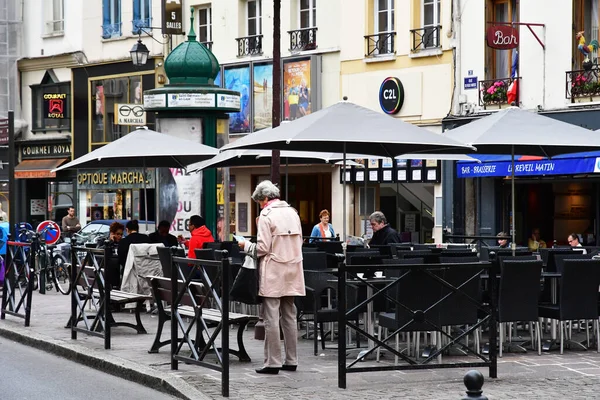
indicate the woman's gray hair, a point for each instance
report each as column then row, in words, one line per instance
column 265, row 190
column 378, row 217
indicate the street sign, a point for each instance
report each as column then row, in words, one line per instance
column 470, row 82
column 52, row 234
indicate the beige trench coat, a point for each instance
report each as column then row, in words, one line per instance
column 279, row 246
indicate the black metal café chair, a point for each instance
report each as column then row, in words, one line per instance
column 330, row 246
column 314, row 260
column 578, row 298
column 457, row 253
column 320, row 284
column 518, row 296
column 458, row 259
column 415, row 290
column 459, row 310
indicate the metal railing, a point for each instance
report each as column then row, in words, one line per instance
column 18, row 280
column 426, row 38
column 208, row 45
column 303, row 39
column 422, row 295
column 380, row 44
column 111, row 30
column 138, row 24
column 57, row 26
column 582, row 83
column 494, row 92
column 249, row 45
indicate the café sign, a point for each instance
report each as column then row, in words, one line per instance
column 38, row 151
column 172, row 17
column 502, row 37
column 115, row 179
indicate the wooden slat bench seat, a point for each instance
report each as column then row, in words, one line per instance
column 190, row 307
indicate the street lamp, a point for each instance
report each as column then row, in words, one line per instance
column 139, row 53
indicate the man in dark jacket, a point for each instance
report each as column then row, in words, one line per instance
column 133, row 236
column 163, row 236
column 382, row 232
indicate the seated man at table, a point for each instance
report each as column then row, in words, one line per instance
column 573, row 240
column 163, row 236
column 382, row 233
column 133, row 236
column 200, row 235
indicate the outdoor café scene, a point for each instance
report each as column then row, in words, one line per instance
column 279, row 301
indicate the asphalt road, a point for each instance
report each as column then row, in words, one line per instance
column 28, row 373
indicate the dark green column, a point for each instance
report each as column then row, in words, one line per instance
column 209, row 176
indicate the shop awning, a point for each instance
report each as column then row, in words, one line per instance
column 38, row 168
column 500, row 165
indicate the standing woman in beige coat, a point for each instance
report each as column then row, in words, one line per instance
column 281, row 278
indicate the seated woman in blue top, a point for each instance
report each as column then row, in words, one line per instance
column 322, row 229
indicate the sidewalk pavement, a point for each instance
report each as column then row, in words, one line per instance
column 574, row 375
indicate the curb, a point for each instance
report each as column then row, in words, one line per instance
column 106, row 363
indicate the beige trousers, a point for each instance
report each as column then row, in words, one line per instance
column 273, row 309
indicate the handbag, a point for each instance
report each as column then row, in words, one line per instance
column 245, row 285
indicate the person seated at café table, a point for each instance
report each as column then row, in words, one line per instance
column 573, row 240
column 322, row 229
column 163, row 236
column 535, row 243
column 503, row 243
column 382, row 233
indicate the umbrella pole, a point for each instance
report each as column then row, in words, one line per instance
column 344, row 198
column 145, row 193
column 365, row 202
column 287, row 182
column 513, row 245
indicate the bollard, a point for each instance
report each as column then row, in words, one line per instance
column 474, row 382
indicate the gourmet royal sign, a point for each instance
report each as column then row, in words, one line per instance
column 502, row 37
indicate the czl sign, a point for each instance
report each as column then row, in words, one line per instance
column 502, row 37
column 391, row 95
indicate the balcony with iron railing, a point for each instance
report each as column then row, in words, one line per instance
column 249, row 46
column 583, row 86
column 380, row 44
column 303, row 39
column 54, row 27
column 111, row 30
column 495, row 93
column 426, row 38
column 138, row 25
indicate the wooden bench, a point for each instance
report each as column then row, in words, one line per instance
column 88, row 288
column 193, row 305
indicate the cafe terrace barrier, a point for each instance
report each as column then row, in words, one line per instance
column 18, row 280
column 215, row 278
column 425, row 297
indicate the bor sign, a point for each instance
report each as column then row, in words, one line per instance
column 172, row 17
column 502, row 37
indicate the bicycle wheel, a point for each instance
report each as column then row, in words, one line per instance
column 61, row 274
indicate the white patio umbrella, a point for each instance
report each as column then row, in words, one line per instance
column 346, row 127
column 144, row 148
column 515, row 131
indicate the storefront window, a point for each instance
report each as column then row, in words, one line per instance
column 60, row 198
column 50, row 106
column 105, row 93
column 109, row 204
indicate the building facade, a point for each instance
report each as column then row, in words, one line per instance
column 76, row 78
column 525, row 54
column 331, row 50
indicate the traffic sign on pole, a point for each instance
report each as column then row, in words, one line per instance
column 52, row 233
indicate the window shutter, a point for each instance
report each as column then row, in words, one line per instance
column 105, row 18
column 137, row 16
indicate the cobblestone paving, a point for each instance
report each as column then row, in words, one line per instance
column 574, row 375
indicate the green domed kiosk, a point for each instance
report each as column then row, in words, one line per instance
column 190, row 106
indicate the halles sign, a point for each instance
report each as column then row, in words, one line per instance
column 502, row 37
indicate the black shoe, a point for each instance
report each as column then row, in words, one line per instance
column 289, row 367
column 268, row 370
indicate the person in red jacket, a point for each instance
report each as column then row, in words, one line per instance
column 200, row 235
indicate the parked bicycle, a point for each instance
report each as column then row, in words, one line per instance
column 50, row 265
